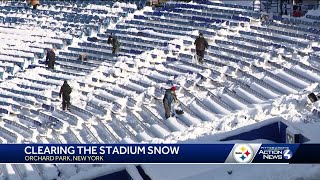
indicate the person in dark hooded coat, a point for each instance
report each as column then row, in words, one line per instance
column 201, row 45
column 51, row 58
column 110, row 39
column 65, row 91
column 114, row 42
column 168, row 98
column 115, row 45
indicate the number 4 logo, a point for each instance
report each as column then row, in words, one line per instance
column 287, row 154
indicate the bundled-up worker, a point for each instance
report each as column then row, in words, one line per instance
column 51, row 58
column 65, row 91
column 201, row 45
column 115, row 44
column 169, row 97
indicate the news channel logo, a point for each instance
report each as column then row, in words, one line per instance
column 287, row 154
column 243, row 153
column 275, row 153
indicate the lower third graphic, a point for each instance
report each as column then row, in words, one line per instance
column 243, row 153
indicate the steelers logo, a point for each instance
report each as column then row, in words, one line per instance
column 242, row 153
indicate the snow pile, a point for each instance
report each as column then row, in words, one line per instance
column 313, row 12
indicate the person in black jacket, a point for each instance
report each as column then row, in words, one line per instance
column 201, row 45
column 115, row 45
column 110, row 39
column 51, row 58
column 65, row 91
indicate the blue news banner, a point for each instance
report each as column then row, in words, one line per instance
column 159, row 153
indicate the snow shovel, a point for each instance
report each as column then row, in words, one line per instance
column 178, row 110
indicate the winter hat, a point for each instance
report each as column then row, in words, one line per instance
column 173, row 88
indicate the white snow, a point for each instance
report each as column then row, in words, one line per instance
column 278, row 85
column 313, row 12
column 244, row 94
column 244, row 3
column 263, row 91
column 208, row 125
column 173, row 124
column 159, row 131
